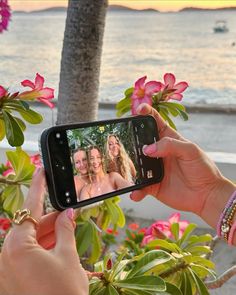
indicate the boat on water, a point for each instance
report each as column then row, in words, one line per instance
column 221, row 27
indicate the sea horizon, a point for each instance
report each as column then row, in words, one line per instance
column 135, row 44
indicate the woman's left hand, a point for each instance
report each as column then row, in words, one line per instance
column 43, row 259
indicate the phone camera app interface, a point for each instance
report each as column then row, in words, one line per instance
column 104, row 159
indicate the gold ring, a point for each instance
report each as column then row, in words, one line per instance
column 22, row 215
column 163, row 129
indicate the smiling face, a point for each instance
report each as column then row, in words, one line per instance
column 95, row 159
column 114, row 146
column 81, row 163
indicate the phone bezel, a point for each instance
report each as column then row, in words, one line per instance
column 49, row 169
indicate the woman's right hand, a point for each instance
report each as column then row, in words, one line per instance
column 191, row 180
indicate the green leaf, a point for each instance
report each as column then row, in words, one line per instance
column 87, row 237
column 84, row 234
column 199, row 260
column 174, row 105
column 22, row 166
column 175, row 230
column 172, row 290
column 14, row 133
column 166, row 117
column 139, row 292
column 170, row 247
column 202, row 271
column 201, row 287
column 148, row 261
column 2, row 129
column 112, row 209
column 186, row 287
column 13, row 198
column 189, row 229
column 110, row 290
column 95, row 247
column 128, row 92
column 198, row 239
column 20, row 123
column 198, row 250
column 123, row 103
column 31, row 116
column 147, row 283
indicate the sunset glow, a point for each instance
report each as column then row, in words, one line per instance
column 162, row 5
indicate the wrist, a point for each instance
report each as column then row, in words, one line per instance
column 216, row 201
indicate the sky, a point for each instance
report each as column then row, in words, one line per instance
column 162, row 5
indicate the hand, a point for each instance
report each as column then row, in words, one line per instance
column 190, row 177
column 26, row 267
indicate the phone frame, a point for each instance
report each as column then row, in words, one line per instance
column 46, row 155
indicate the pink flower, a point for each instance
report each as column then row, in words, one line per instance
column 5, row 15
column 35, row 160
column 38, row 92
column 169, row 80
column 143, row 93
column 2, row 92
column 162, row 229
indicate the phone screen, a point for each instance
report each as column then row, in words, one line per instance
column 92, row 161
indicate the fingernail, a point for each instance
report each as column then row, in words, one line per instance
column 139, row 108
column 149, row 149
column 36, row 171
column 70, row 213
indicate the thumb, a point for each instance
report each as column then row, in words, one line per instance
column 168, row 146
column 64, row 231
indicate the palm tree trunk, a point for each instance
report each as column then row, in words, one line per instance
column 81, row 60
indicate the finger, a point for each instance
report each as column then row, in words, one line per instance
column 48, row 241
column 46, row 226
column 35, row 199
column 64, row 230
column 33, row 202
column 146, row 109
column 168, row 146
column 139, row 195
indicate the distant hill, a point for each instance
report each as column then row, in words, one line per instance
column 111, row 8
column 207, row 9
column 120, row 8
column 51, row 9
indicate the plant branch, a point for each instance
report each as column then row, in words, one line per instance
column 222, row 279
column 173, row 270
column 90, row 275
column 8, row 181
column 212, row 245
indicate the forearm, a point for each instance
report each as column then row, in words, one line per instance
column 216, row 202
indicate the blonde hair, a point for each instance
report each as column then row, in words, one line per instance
column 101, row 154
column 122, row 162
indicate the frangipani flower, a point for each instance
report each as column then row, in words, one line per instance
column 5, row 15
column 169, row 84
column 143, row 93
column 43, row 94
column 162, row 229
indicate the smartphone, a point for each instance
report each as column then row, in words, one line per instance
column 89, row 162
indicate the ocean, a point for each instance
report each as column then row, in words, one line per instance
column 135, row 44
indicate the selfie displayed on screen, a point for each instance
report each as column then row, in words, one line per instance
column 104, row 159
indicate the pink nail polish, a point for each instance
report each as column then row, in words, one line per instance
column 150, row 149
column 70, row 213
column 36, row 171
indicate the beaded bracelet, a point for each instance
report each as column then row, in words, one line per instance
column 226, row 217
column 231, row 234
